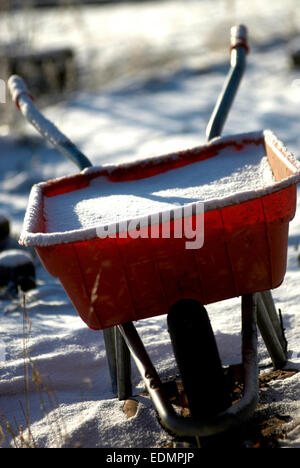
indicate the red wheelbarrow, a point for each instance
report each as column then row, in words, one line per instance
column 116, row 273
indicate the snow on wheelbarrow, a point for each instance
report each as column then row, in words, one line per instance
column 127, row 241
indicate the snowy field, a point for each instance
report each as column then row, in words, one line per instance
column 136, row 117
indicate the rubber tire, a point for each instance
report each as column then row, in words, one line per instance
column 198, row 359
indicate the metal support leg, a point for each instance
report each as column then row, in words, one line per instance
column 274, row 317
column 110, row 347
column 118, row 358
column 270, row 333
column 123, row 367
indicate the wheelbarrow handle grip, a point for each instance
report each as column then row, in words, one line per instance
column 17, row 88
column 239, row 37
column 24, row 102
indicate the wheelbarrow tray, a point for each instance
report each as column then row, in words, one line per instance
column 118, row 279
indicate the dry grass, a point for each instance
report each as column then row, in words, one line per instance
column 21, row 435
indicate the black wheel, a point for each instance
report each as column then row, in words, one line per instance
column 198, row 359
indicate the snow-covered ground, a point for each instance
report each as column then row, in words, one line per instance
column 134, row 118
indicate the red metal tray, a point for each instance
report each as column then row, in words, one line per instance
column 115, row 280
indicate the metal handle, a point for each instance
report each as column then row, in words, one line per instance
column 239, row 49
column 24, row 102
column 17, row 88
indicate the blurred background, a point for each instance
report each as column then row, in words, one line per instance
column 60, row 46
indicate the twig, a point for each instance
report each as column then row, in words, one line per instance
column 2, row 436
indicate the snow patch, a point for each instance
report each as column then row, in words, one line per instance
column 106, row 203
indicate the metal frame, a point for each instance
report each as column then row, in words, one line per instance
column 228, row 419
